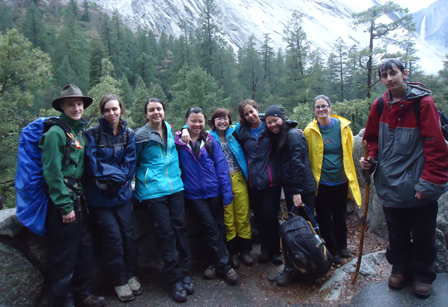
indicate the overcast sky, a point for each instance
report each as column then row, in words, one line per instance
column 413, row 5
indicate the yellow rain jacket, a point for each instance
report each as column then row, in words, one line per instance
column 316, row 151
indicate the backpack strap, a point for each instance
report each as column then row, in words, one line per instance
column 380, row 107
column 52, row 121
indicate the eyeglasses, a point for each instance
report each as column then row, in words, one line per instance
column 321, row 107
column 222, row 119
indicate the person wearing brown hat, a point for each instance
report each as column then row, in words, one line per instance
column 70, row 270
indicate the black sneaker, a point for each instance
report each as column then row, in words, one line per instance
column 178, row 293
column 345, row 253
column 92, row 301
column 285, row 279
column 233, row 261
column 188, row 285
column 264, row 257
column 231, row 277
column 277, row 259
column 336, row 260
column 247, row 259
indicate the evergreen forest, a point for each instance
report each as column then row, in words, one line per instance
column 45, row 45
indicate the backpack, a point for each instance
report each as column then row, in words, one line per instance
column 32, row 191
column 303, row 249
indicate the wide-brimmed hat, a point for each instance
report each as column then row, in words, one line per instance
column 71, row 91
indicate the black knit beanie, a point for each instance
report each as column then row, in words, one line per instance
column 275, row 110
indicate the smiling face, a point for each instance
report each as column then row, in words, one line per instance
column 222, row 123
column 73, row 107
column 322, row 109
column 112, row 112
column 195, row 123
column 155, row 113
column 251, row 115
column 393, row 79
column 274, row 123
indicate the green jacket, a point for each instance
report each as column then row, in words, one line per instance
column 53, row 144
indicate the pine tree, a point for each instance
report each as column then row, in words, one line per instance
column 141, row 95
column 24, row 72
column 370, row 20
column 107, row 85
column 96, row 56
column 34, row 28
column 86, row 15
column 297, row 54
column 195, row 87
column 207, row 33
column 72, row 45
column 250, row 68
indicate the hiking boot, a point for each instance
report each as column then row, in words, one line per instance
column 92, row 301
column 277, row 259
column 285, row 279
column 336, row 260
column 231, row 277
column 178, row 293
column 188, row 285
column 233, row 261
column 397, row 281
column 135, row 285
column 421, row 289
column 345, row 253
column 124, row 293
column 247, row 259
column 210, row 272
column 264, row 257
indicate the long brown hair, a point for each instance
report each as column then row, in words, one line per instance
column 241, row 107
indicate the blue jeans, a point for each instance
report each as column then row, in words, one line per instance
column 412, row 249
column 117, row 242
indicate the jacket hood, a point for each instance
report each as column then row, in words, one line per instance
column 416, row 90
column 145, row 134
column 291, row 123
column 105, row 126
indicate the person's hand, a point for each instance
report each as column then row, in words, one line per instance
column 300, row 130
column 185, row 136
column 366, row 164
column 225, row 206
column 420, row 195
column 69, row 218
column 297, row 199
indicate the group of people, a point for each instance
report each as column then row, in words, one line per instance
column 221, row 175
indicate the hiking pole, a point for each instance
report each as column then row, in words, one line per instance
column 364, row 213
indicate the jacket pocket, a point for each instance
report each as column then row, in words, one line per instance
column 405, row 140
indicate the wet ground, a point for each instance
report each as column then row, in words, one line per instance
column 256, row 289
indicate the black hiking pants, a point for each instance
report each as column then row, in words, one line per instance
column 117, row 242
column 412, row 248
column 167, row 215
column 210, row 212
column 70, row 271
column 266, row 204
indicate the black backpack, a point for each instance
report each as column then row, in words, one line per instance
column 303, row 249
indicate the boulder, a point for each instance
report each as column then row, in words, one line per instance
column 441, row 263
column 336, row 286
column 21, row 282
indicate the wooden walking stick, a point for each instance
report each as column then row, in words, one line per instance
column 364, row 213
